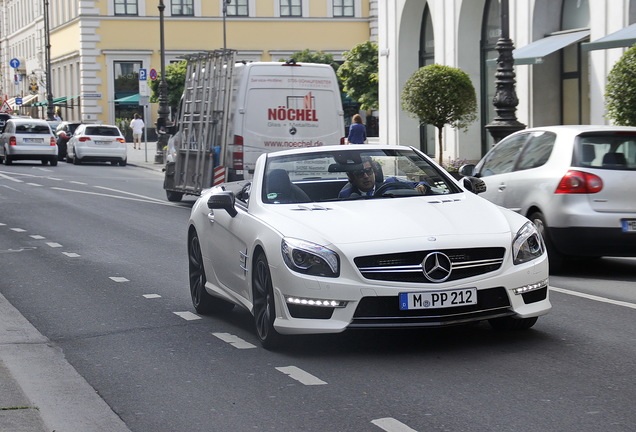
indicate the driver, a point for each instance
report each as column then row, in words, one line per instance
column 362, row 182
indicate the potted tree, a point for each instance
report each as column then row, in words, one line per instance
column 620, row 98
column 440, row 95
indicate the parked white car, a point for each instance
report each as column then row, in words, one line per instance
column 306, row 252
column 576, row 183
column 27, row 139
column 97, row 143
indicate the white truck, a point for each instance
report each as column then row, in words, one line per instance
column 232, row 112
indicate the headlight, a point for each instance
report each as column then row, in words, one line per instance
column 310, row 258
column 527, row 245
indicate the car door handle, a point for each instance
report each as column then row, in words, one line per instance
column 211, row 217
column 502, row 187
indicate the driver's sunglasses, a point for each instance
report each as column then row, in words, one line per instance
column 360, row 173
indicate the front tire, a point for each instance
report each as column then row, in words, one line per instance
column 203, row 302
column 264, row 307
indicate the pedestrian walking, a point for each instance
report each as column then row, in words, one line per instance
column 137, row 125
column 357, row 131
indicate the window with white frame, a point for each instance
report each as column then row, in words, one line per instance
column 343, row 8
column 126, row 7
column 238, row 8
column 182, row 8
column 291, row 8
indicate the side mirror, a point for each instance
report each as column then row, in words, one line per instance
column 467, row 170
column 223, row 201
column 474, row 184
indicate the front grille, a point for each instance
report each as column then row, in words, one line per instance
column 385, row 311
column 407, row 266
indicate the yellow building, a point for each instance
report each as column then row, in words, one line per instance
column 97, row 47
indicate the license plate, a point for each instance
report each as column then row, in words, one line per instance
column 102, row 142
column 438, row 299
column 33, row 140
column 629, row 225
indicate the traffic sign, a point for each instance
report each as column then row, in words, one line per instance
column 14, row 63
column 153, row 74
column 143, row 88
column 143, row 75
column 5, row 107
column 18, row 101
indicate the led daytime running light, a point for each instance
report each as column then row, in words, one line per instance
column 315, row 302
column 531, row 287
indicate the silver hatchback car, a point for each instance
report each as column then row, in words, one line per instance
column 576, row 183
column 97, row 143
column 27, row 139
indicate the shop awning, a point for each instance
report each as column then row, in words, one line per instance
column 533, row 53
column 625, row 37
column 132, row 99
column 56, row 101
column 29, row 99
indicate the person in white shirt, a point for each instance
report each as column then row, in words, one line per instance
column 137, row 125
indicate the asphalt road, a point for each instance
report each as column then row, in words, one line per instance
column 95, row 258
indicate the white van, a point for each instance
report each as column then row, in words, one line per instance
column 279, row 106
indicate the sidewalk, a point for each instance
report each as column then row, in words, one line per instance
column 144, row 158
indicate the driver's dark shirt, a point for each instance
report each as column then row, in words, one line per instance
column 350, row 189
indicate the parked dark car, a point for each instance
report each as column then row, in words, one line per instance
column 63, row 132
column 3, row 120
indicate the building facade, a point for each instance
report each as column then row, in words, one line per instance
column 97, row 47
column 564, row 52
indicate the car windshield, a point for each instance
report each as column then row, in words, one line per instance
column 32, row 128
column 616, row 151
column 102, row 131
column 341, row 175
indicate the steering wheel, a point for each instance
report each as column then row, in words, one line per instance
column 391, row 185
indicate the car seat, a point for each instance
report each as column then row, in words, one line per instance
column 614, row 160
column 280, row 189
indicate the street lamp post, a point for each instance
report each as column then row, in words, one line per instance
column 47, row 59
column 163, row 111
column 505, row 99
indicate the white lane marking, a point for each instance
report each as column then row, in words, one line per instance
column 300, row 375
column 149, row 200
column 54, row 245
column 11, row 178
column 18, row 230
column 78, row 182
column 37, row 237
column 392, row 425
column 118, row 279
column 1, row 224
column 188, row 316
column 235, row 341
column 152, row 296
column 54, row 178
column 34, row 184
column 129, row 193
column 9, row 187
column 593, row 297
column 71, row 254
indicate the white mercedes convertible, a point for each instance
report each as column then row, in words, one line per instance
column 331, row 238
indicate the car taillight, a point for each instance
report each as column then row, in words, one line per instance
column 579, row 182
column 12, row 141
column 121, row 140
column 342, row 141
column 53, row 141
column 237, row 156
column 83, row 139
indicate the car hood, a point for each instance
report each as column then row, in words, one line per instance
column 450, row 220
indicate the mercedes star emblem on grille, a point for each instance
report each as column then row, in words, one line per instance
column 437, row 267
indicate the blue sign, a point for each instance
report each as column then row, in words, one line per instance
column 143, row 75
column 14, row 63
column 153, row 74
column 18, row 101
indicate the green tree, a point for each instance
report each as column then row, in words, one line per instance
column 440, row 95
column 359, row 74
column 620, row 92
column 308, row 56
column 175, row 78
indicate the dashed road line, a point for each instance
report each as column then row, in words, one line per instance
column 18, row 230
column 71, row 254
column 233, row 340
column 54, row 245
column 593, row 297
column 34, row 184
column 37, row 237
column 118, row 279
column 188, row 316
column 300, row 375
column 392, row 425
column 152, row 296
